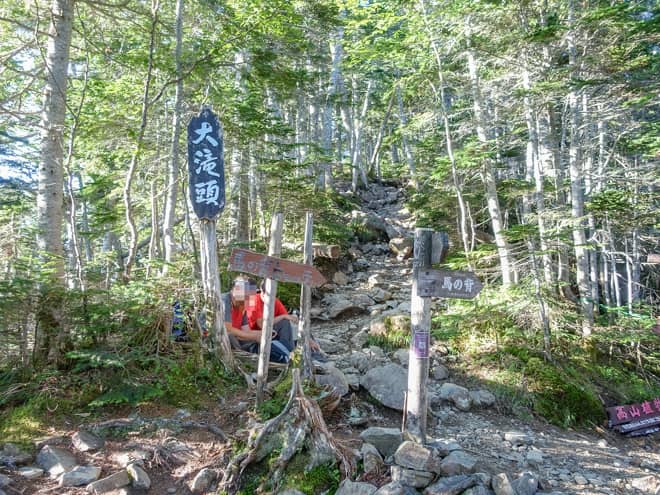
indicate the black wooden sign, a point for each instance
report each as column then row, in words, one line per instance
column 206, row 167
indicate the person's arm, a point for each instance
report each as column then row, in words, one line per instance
column 243, row 333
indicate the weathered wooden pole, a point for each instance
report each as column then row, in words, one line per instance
column 420, row 340
column 207, row 196
column 306, row 302
column 211, row 285
column 270, row 293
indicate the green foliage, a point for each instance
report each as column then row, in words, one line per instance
column 500, row 342
column 320, row 479
column 127, row 393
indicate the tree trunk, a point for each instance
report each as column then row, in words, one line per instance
column 405, row 144
column 456, row 180
column 212, row 291
column 357, row 164
column 169, row 242
column 128, row 205
column 50, row 179
column 577, row 191
column 487, row 172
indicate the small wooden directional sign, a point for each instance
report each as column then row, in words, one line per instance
column 243, row 260
column 206, row 165
column 447, row 283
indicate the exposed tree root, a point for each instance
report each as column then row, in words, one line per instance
column 299, row 427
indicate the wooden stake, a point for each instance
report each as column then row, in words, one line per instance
column 270, row 293
column 418, row 364
column 306, row 302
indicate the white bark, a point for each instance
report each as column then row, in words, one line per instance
column 488, row 174
column 169, row 242
column 577, row 191
column 50, row 198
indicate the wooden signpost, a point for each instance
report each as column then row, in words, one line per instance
column 274, row 269
column 429, row 248
column 207, row 195
column 448, row 283
column 635, row 419
column 260, row 265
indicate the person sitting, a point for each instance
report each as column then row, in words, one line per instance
column 236, row 321
column 283, row 322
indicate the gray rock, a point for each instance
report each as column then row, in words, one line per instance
column 348, row 487
column 353, row 381
column 56, row 460
column 647, row 484
column 380, row 295
column 518, row 438
column 527, row 484
column 412, row 477
column 502, row 485
column 535, row 457
column 415, row 456
column 482, row 398
column 359, row 340
column 396, row 488
column 12, row 454
column 402, row 357
column 80, row 476
column 360, row 361
column 387, row 384
column 458, row 462
column 335, row 378
column 443, row 447
column 288, row 491
column 459, row 396
column 440, row 372
column 340, row 278
column 109, row 483
column 139, row 478
column 386, row 440
column 204, row 479
column 580, row 480
column 5, row 480
column 372, row 461
column 454, row 485
column 85, row 441
column 478, row 490
column 30, row 472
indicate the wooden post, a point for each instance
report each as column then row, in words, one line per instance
column 306, row 302
column 211, row 284
column 274, row 249
column 414, row 421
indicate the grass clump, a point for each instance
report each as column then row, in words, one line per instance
column 320, row 479
column 500, row 343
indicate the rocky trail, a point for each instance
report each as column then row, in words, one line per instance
column 473, row 449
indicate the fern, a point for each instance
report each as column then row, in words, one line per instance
column 127, row 393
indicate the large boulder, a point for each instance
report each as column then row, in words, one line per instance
column 56, row 460
column 387, row 384
column 386, row 440
column 459, row 396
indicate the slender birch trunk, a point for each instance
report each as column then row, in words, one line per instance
column 132, row 168
column 577, row 189
column 50, row 179
column 442, row 98
column 405, row 144
column 488, row 173
column 169, row 242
